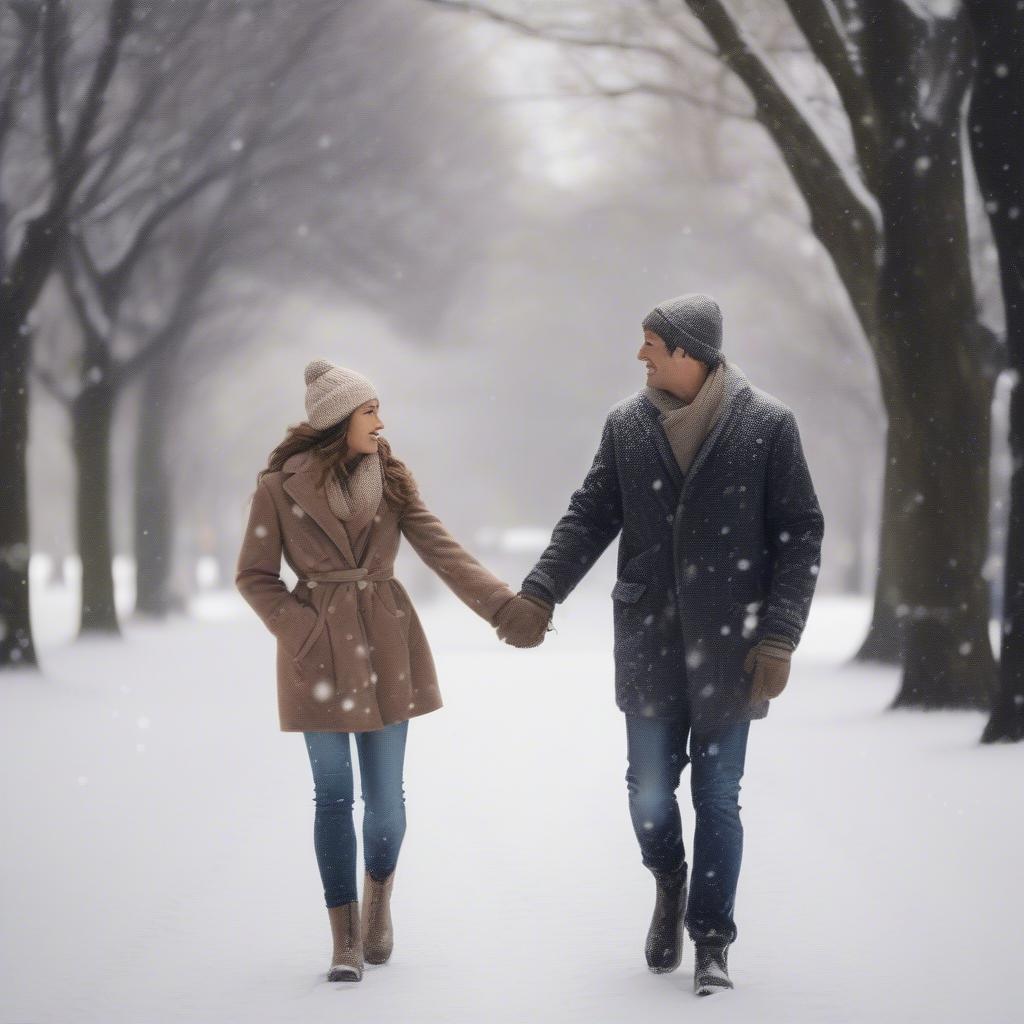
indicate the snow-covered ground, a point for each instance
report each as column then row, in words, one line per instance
column 157, row 862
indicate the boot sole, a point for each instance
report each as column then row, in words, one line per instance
column 664, row 970
column 708, row 990
column 344, row 974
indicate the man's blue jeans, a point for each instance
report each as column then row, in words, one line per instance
column 656, row 752
column 381, row 757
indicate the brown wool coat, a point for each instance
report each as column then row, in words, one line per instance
column 351, row 653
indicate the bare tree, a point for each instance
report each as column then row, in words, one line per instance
column 150, row 171
column 30, row 247
column 361, row 195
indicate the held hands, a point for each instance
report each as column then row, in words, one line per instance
column 769, row 661
column 523, row 620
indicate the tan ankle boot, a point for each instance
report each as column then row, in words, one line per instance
column 347, row 959
column 378, row 935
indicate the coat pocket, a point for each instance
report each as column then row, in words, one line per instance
column 387, row 597
column 314, row 635
column 294, row 632
column 315, row 660
column 628, row 591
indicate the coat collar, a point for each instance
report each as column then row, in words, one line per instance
column 736, row 384
column 301, row 482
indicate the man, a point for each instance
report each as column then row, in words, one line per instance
column 704, row 476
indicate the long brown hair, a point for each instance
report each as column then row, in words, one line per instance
column 330, row 447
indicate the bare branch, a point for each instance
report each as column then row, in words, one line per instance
column 844, row 215
column 73, row 161
column 651, row 88
column 19, row 68
column 820, row 23
column 558, row 34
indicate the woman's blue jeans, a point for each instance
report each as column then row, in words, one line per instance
column 381, row 758
column 656, row 753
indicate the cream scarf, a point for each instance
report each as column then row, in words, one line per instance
column 356, row 500
column 686, row 425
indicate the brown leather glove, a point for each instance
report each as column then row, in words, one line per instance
column 769, row 661
column 523, row 621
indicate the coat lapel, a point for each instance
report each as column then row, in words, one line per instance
column 649, row 417
column 302, row 485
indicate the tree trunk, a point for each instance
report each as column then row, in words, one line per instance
column 92, row 414
column 882, row 641
column 997, row 145
column 943, row 598
column 154, row 498
column 17, row 649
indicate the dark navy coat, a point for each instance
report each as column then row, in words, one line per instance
column 707, row 565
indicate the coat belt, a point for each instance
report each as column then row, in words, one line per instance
column 335, row 577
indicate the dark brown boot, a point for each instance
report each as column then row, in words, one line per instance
column 347, row 959
column 378, row 934
column 664, row 948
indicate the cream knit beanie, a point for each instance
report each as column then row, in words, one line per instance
column 332, row 393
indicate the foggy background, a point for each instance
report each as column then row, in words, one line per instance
column 496, row 245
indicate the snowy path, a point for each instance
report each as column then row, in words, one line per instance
column 158, row 863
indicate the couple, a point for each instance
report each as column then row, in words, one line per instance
column 703, row 476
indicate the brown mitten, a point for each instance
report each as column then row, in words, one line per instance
column 523, row 621
column 769, row 661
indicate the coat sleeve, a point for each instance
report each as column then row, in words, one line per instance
column 258, row 578
column 473, row 584
column 794, row 527
column 591, row 523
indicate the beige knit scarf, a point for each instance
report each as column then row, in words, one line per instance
column 687, row 424
column 356, row 500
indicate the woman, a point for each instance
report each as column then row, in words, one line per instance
column 351, row 653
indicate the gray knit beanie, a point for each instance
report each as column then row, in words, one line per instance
column 332, row 393
column 692, row 322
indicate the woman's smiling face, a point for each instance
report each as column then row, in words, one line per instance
column 363, row 426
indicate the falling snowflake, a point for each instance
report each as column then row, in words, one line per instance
column 260, row 531
column 322, row 690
